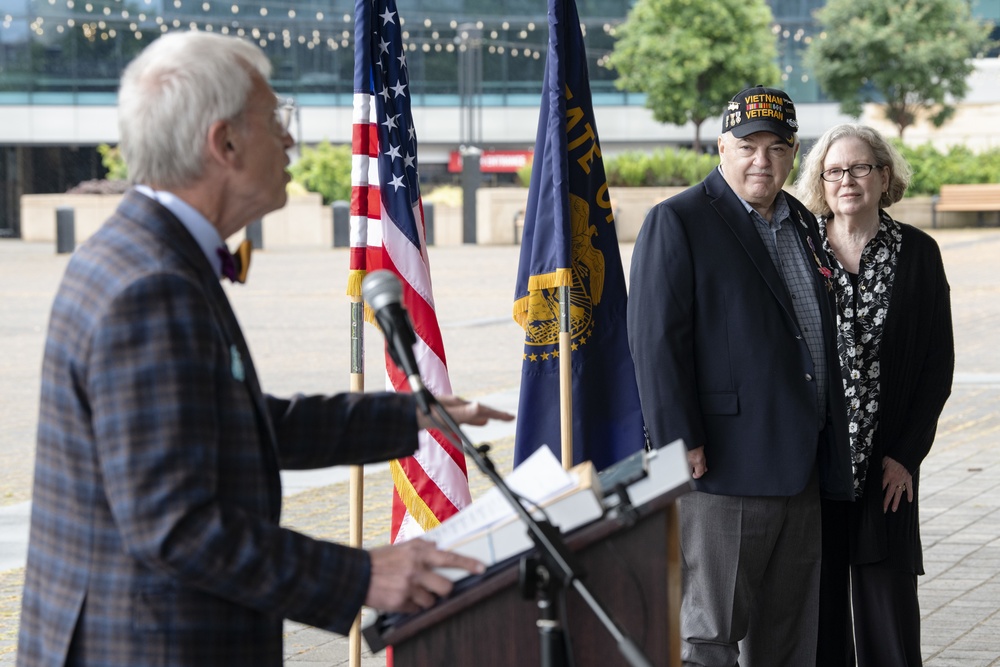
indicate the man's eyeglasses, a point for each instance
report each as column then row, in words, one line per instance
column 855, row 170
column 284, row 112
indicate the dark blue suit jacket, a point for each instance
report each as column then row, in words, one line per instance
column 155, row 536
column 719, row 357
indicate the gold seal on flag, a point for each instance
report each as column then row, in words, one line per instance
column 588, row 286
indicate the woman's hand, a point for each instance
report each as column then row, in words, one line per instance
column 896, row 480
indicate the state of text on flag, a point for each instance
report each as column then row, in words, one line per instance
column 569, row 239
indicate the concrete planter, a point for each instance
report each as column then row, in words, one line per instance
column 306, row 222
column 303, row 221
column 500, row 212
column 38, row 214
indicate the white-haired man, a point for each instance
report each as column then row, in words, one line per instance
column 155, row 536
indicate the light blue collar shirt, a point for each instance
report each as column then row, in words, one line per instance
column 198, row 226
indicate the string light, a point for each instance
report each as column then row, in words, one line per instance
column 520, row 39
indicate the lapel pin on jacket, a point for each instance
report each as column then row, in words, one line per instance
column 236, row 364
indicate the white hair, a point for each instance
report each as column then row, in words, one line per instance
column 809, row 186
column 172, row 93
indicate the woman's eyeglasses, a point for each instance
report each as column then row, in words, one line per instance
column 855, row 170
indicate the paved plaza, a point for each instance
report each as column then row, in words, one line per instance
column 296, row 320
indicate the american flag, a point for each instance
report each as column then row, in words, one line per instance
column 387, row 232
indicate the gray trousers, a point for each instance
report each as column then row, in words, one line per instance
column 751, row 568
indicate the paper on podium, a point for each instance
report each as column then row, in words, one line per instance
column 489, row 530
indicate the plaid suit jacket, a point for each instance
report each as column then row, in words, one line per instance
column 154, row 527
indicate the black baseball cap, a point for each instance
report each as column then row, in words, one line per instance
column 761, row 109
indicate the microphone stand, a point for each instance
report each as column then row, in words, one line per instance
column 553, row 570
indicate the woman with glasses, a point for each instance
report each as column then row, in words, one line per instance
column 896, row 360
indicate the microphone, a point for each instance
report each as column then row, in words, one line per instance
column 384, row 295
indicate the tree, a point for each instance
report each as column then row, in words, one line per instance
column 913, row 55
column 325, row 169
column 691, row 56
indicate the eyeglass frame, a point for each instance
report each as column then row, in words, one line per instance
column 285, row 112
column 849, row 170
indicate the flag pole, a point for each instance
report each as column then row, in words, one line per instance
column 565, row 379
column 357, row 269
column 356, row 485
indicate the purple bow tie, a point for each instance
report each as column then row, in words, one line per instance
column 235, row 265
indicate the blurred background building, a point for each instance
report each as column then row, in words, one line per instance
column 475, row 65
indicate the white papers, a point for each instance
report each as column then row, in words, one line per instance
column 489, row 530
column 539, row 478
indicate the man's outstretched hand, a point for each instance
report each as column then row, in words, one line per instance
column 465, row 412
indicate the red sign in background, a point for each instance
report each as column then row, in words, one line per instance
column 493, row 162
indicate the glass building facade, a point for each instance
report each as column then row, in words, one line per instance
column 73, row 51
column 70, row 53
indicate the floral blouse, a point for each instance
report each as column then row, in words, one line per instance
column 862, row 304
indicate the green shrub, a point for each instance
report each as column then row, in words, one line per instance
column 661, row 167
column 445, row 195
column 670, row 167
column 325, row 169
column 524, row 174
column 933, row 168
column 664, row 166
column 111, row 158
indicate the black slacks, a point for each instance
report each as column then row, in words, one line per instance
column 886, row 617
column 885, row 631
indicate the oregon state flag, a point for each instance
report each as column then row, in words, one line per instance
column 569, row 239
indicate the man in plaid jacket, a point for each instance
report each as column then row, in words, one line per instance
column 155, row 536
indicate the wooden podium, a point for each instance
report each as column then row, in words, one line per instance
column 632, row 568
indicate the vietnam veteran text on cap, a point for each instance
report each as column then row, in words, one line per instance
column 761, row 109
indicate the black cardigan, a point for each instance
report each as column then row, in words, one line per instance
column 917, row 361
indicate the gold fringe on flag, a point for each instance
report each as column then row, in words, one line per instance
column 414, row 503
column 354, row 278
column 370, row 317
column 553, row 280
